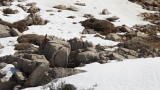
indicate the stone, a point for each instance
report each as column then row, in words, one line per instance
column 88, row 31
column 22, row 0
column 114, row 37
column 125, row 28
column 20, row 77
column 72, row 8
column 87, row 57
column 115, row 56
column 2, row 74
column 15, row 32
column 80, row 4
column 112, row 19
column 4, row 31
column 88, row 16
column 36, row 76
column 7, row 84
column 1, row 46
column 33, row 9
column 57, row 52
column 62, row 7
column 37, row 20
column 2, row 65
column 105, row 12
column 64, row 72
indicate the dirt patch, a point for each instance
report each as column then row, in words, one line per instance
column 102, row 26
column 31, row 38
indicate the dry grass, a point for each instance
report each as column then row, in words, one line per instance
column 102, row 26
column 31, row 38
column 23, row 46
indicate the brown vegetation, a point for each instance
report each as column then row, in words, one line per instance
column 102, row 26
column 23, row 46
column 31, row 38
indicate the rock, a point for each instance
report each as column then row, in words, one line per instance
column 88, row 16
column 143, row 52
column 72, row 8
column 2, row 74
column 33, row 9
column 71, row 17
column 80, row 4
column 35, row 77
column 17, row 87
column 22, row 0
column 4, row 31
column 6, row 3
column 86, row 57
column 7, row 84
column 88, row 31
column 10, row 11
column 140, row 34
column 77, row 43
column 37, row 20
column 123, row 51
column 114, row 37
column 105, row 12
column 112, row 19
column 99, row 35
column 64, row 72
column 15, row 32
column 62, row 7
column 9, row 59
column 23, row 7
column 2, row 65
column 115, row 56
column 1, row 46
column 20, row 77
column 125, row 28
column 57, row 52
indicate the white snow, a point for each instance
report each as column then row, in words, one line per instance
column 9, row 69
column 136, row 74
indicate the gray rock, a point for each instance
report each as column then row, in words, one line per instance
column 115, row 56
column 86, row 57
column 7, row 84
column 15, row 32
column 113, row 18
column 33, row 9
column 2, row 65
column 80, row 4
column 20, row 77
column 4, row 31
column 105, row 12
column 88, row 16
column 64, row 72
column 37, row 20
column 57, row 52
column 2, row 74
column 62, row 7
column 113, row 37
column 1, row 46
column 88, row 31
column 125, row 28
column 35, row 77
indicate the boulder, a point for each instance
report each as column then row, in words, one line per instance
column 1, row 46
column 88, row 31
column 37, row 20
column 87, row 57
column 20, row 77
column 4, row 31
column 15, row 32
column 64, row 72
column 113, row 18
column 115, row 56
column 105, row 12
column 36, row 76
column 125, row 28
column 7, row 84
column 114, row 37
column 77, row 43
column 2, row 74
column 33, row 9
column 57, row 52
column 2, row 65
column 62, row 7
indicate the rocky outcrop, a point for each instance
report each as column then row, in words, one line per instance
column 4, row 31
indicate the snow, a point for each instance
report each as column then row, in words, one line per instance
column 9, row 69
column 135, row 74
column 8, row 44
